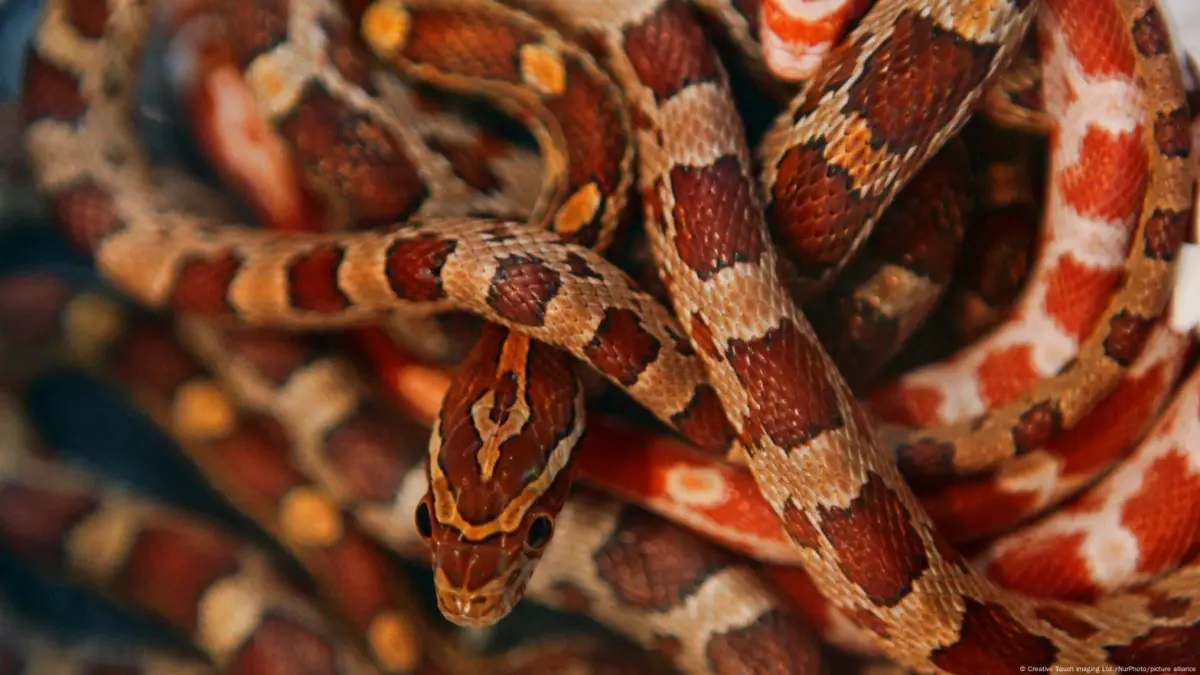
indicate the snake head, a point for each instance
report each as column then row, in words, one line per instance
column 478, row 582
column 501, row 461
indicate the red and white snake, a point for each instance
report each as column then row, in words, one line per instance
column 735, row 346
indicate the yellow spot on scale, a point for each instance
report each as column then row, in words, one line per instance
column 269, row 84
column 263, row 79
column 103, row 540
column 228, row 613
column 394, row 640
column 269, row 87
column 542, row 68
column 91, row 323
column 309, row 519
column 579, row 210
column 385, row 27
column 203, row 411
column 853, row 149
column 737, row 453
column 970, row 20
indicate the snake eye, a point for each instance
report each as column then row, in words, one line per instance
column 424, row 521
column 539, row 532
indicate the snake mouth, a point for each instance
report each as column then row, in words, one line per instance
column 473, row 609
column 482, row 606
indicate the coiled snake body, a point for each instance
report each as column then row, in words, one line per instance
column 733, row 359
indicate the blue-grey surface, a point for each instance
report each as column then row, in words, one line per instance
column 16, row 24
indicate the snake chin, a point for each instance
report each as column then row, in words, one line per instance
column 475, row 609
column 470, row 610
column 479, row 586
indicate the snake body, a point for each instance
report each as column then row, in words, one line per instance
column 360, row 461
column 734, row 347
column 752, row 360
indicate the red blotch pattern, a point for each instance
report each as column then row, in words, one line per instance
column 33, row 521
column 977, row 508
column 993, row 642
column 1095, row 33
column 1077, row 294
column 414, row 266
column 1024, row 568
column 1005, row 374
column 280, row 646
column 770, row 367
column 1164, row 515
column 876, row 545
column 202, row 286
column 622, row 348
column 1114, row 423
column 172, row 565
column 1109, row 180
column 313, row 281
column 901, row 404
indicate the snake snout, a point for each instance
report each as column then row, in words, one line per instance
column 469, row 608
column 477, row 585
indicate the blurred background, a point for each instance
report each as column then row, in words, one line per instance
column 1187, row 18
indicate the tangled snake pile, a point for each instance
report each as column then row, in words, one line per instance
column 381, row 205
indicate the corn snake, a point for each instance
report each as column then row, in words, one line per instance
column 377, row 298
column 381, row 478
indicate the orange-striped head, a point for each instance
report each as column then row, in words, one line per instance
column 500, row 466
